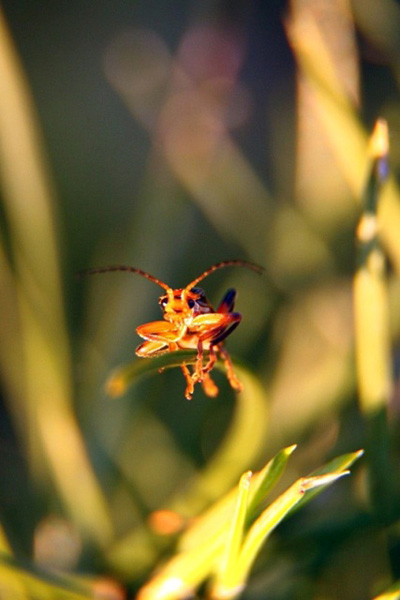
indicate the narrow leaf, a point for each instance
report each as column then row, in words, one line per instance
column 393, row 593
column 337, row 466
column 124, row 376
column 263, row 482
column 226, row 570
column 269, row 520
column 39, row 583
column 216, row 520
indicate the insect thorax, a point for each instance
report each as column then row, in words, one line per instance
column 181, row 303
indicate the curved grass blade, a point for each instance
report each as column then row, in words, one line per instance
column 243, row 441
column 38, row 583
column 241, row 446
column 125, row 376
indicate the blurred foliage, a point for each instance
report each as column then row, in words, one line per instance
column 171, row 137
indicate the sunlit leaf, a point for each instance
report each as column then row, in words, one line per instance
column 124, row 376
column 338, row 466
column 234, row 581
column 38, row 583
column 203, row 556
column 46, row 414
column 393, row 593
column 216, row 520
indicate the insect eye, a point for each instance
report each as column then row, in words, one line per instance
column 191, row 303
column 163, row 301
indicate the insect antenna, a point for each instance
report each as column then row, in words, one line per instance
column 127, row 268
column 225, row 263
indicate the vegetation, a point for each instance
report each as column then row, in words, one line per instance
column 112, row 484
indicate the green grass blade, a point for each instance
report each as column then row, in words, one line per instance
column 11, row 585
column 371, row 311
column 241, row 446
column 38, row 583
column 338, row 465
column 46, row 415
column 124, row 376
column 213, row 546
column 264, row 481
column 205, row 548
column 372, row 333
column 243, row 441
column 343, row 127
column 268, row 521
column 216, row 520
column 227, row 564
column 393, row 593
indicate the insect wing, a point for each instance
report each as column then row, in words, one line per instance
column 215, row 327
column 234, row 321
column 158, row 331
column 150, row 349
column 228, row 302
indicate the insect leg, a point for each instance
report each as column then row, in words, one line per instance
column 199, row 375
column 186, row 373
column 212, row 358
column 198, row 370
column 233, row 380
column 189, row 382
column 209, row 387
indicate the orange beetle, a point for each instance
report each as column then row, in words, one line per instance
column 190, row 322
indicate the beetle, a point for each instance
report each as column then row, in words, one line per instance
column 190, row 322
